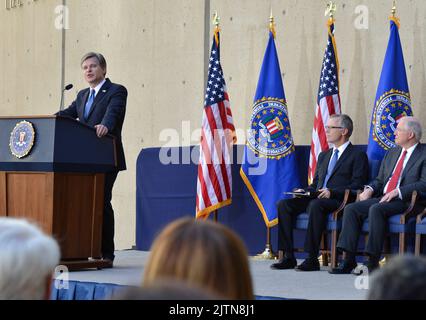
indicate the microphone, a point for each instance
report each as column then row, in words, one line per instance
column 67, row 87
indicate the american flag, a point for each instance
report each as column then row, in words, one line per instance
column 328, row 100
column 214, row 183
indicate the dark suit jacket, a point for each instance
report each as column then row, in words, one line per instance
column 413, row 176
column 350, row 172
column 108, row 109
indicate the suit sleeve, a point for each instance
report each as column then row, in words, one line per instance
column 71, row 111
column 419, row 186
column 116, row 109
column 379, row 182
column 359, row 176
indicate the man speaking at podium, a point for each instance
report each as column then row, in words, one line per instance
column 102, row 106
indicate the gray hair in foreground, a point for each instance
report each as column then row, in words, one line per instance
column 27, row 260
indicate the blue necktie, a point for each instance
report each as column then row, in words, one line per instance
column 331, row 166
column 89, row 103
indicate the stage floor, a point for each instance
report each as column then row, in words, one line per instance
column 129, row 265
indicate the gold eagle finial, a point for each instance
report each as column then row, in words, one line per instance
column 331, row 9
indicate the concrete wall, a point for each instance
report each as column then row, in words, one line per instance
column 158, row 49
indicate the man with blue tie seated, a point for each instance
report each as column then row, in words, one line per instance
column 341, row 167
column 102, row 106
column 403, row 170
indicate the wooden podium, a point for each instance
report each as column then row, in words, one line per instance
column 59, row 185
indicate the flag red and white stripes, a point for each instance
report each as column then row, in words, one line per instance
column 328, row 101
column 214, row 183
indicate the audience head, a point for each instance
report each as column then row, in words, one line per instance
column 403, row 278
column 27, row 261
column 204, row 254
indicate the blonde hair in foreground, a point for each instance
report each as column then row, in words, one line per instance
column 203, row 254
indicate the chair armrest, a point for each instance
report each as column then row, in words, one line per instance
column 412, row 209
column 347, row 198
column 421, row 216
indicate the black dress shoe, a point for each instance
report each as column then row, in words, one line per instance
column 107, row 263
column 367, row 267
column 345, row 267
column 372, row 266
column 310, row 264
column 286, row 263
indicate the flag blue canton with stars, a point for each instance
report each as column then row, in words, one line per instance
column 215, row 91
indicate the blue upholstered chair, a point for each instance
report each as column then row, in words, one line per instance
column 402, row 224
column 334, row 225
column 420, row 231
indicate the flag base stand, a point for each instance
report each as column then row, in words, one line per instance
column 268, row 254
column 320, row 260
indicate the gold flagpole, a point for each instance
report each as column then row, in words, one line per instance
column 394, row 18
column 272, row 24
column 216, row 23
column 393, row 11
column 268, row 253
column 216, row 20
column 330, row 12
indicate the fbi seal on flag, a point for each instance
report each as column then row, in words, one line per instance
column 270, row 134
column 22, row 139
column 389, row 109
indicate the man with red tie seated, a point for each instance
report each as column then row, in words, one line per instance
column 403, row 170
column 341, row 167
column 102, row 106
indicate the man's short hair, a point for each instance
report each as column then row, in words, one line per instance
column 28, row 258
column 345, row 122
column 98, row 56
column 414, row 126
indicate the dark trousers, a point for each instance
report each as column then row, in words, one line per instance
column 378, row 214
column 318, row 210
column 108, row 217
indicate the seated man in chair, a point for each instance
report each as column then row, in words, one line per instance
column 402, row 171
column 338, row 169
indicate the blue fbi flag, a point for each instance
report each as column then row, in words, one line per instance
column 392, row 98
column 269, row 168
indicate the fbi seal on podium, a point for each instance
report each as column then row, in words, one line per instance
column 22, row 139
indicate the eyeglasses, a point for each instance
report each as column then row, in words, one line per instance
column 332, row 127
